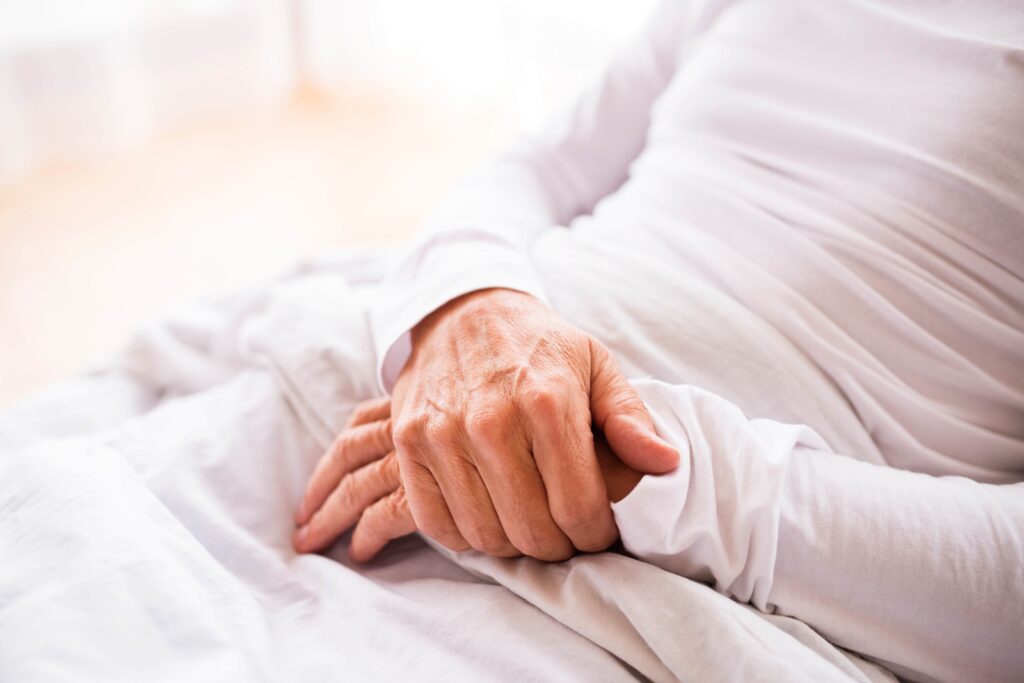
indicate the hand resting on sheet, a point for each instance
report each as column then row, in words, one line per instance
column 493, row 417
column 357, row 482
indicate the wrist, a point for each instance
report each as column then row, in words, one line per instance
column 471, row 304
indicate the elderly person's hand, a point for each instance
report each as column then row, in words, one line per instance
column 492, row 424
column 357, row 480
column 357, row 483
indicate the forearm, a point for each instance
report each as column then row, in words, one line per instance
column 925, row 574
column 922, row 573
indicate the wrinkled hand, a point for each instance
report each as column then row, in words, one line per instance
column 494, row 416
column 357, row 482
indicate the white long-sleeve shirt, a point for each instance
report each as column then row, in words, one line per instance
column 852, row 173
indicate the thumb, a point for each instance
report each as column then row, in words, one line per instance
column 623, row 418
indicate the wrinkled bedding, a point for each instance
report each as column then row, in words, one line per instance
column 146, row 508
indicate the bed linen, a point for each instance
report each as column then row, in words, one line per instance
column 146, row 509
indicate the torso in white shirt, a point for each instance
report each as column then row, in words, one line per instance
column 852, row 174
column 862, row 189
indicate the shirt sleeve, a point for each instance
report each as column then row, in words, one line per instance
column 480, row 235
column 923, row 574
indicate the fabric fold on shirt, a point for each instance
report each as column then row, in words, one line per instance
column 716, row 517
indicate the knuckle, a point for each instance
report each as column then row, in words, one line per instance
column 550, row 546
column 601, row 540
column 386, row 509
column 373, row 477
column 374, row 518
column 430, row 524
column 391, row 470
column 395, row 508
column 485, row 425
column 342, row 446
column 577, row 515
column 491, row 541
column 382, row 435
column 434, row 527
column 627, row 398
column 590, row 533
column 534, row 547
column 449, row 539
column 379, row 477
column 629, row 403
column 440, row 431
column 441, row 530
column 409, row 434
column 397, row 500
column 553, row 553
column 542, row 404
column 346, row 493
column 599, row 352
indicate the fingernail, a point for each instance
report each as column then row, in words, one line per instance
column 671, row 449
column 663, row 442
column 654, row 435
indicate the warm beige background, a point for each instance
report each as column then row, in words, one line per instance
column 87, row 253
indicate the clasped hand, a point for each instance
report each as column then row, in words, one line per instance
column 508, row 432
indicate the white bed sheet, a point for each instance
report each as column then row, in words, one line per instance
column 145, row 521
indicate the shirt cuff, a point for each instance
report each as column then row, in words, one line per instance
column 716, row 517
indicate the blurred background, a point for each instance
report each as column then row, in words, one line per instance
column 156, row 151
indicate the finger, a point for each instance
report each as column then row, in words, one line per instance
column 449, row 457
column 620, row 414
column 425, row 500
column 352, row 449
column 387, row 519
column 516, row 489
column 356, row 492
column 469, row 501
column 563, row 447
column 373, row 410
column 619, row 478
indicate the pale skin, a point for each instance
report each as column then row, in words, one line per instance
column 488, row 441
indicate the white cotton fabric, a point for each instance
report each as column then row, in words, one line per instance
column 923, row 575
column 921, row 572
column 848, row 178
column 850, row 171
column 146, row 516
column 715, row 518
column 811, row 211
